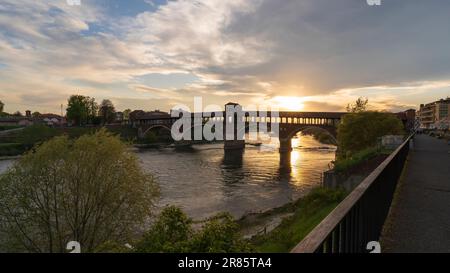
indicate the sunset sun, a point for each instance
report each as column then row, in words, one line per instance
column 289, row 103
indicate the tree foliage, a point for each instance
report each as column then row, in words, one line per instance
column 81, row 110
column 173, row 233
column 17, row 114
column 90, row 190
column 219, row 235
column 126, row 114
column 361, row 130
column 2, row 106
column 170, row 233
column 360, row 105
column 107, row 111
column 35, row 134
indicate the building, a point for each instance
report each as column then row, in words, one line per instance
column 16, row 121
column 139, row 117
column 408, row 118
column 119, row 117
column 435, row 115
column 51, row 120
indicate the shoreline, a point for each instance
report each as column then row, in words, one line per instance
column 12, row 157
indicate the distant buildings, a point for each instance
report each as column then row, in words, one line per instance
column 29, row 119
column 13, row 121
column 139, row 117
column 119, row 117
column 50, row 120
column 435, row 115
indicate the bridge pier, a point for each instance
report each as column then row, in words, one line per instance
column 285, row 145
column 234, row 144
column 235, row 139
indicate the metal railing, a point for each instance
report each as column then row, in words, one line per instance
column 360, row 217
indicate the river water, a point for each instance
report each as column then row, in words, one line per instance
column 205, row 180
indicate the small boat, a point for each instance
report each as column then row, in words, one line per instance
column 255, row 144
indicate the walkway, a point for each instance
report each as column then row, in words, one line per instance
column 420, row 215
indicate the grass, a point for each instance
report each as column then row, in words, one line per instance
column 344, row 164
column 9, row 127
column 308, row 213
column 11, row 149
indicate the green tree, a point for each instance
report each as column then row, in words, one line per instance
column 126, row 114
column 92, row 110
column 107, row 111
column 35, row 134
column 170, row 233
column 35, row 114
column 361, row 130
column 81, row 110
column 2, row 106
column 91, row 190
column 219, row 235
column 360, row 105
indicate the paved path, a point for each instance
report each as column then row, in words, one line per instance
column 420, row 216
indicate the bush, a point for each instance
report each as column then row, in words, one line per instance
column 173, row 232
column 361, row 130
column 170, row 233
column 309, row 211
column 219, row 235
column 35, row 134
column 90, row 190
column 350, row 161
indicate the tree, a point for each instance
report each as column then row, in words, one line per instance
column 36, row 134
column 170, row 233
column 90, row 190
column 126, row 114
column 36, row 114
column 2, row 106
column 81, row 110
column 92, row 110
column 360, row 105
column 219, row 235
column 17, row 114
column 173, row 233
column 107, row 112
column 361, row 130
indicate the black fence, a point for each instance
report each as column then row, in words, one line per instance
column 360, row 217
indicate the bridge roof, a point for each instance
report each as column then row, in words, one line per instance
column 292, row 114
column 332, row 115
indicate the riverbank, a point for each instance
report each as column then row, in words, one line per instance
column 278, row 230
column 13, row 157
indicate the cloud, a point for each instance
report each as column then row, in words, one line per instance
column 327, row 52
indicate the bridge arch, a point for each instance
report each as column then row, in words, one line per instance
column 331, row 133
column 146, row 131
column 288, row 132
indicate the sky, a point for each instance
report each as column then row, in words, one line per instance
column 305, row 55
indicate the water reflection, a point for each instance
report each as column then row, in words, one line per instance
column 204, row 180
column 256, row 179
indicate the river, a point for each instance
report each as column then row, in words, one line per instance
column 204, row 180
